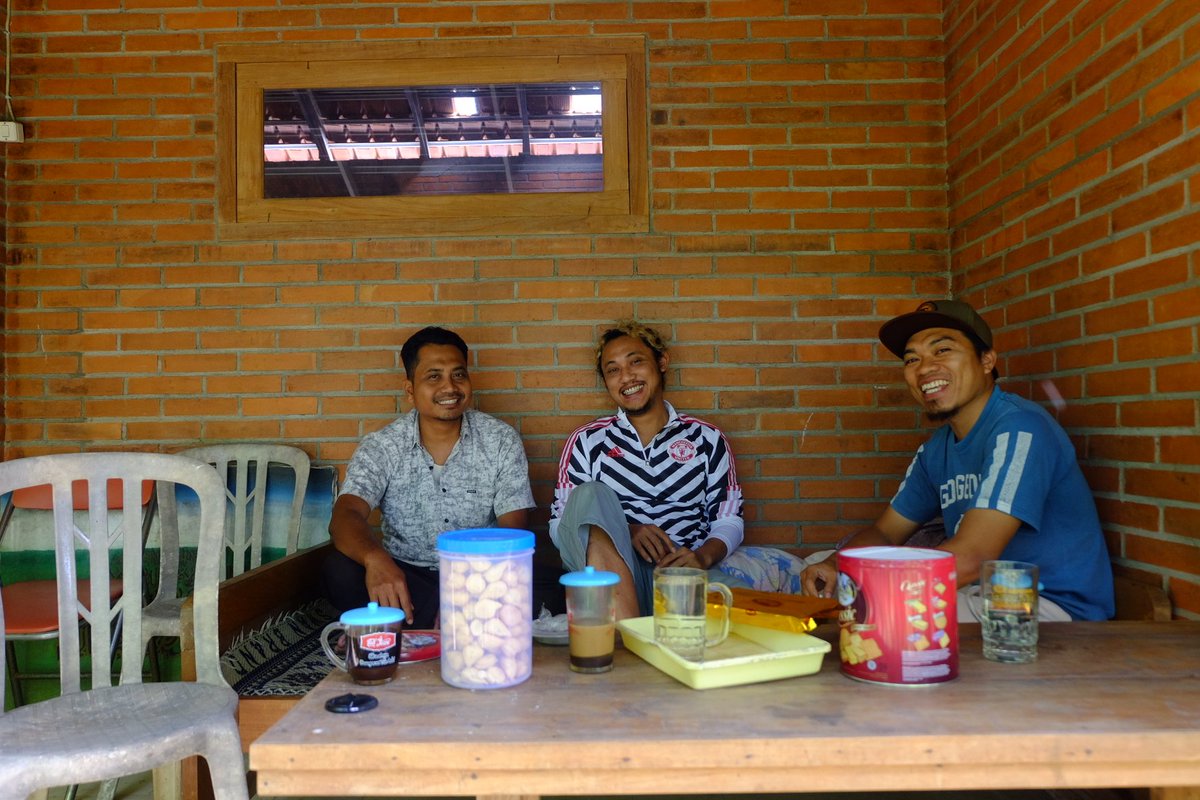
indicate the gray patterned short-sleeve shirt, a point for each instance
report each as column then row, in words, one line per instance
column 485, row 477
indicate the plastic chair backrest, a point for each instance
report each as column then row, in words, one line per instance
column 100, row 540
column 39, row 498
column 247, row 503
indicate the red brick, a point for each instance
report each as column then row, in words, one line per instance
column 1180, row 450
column 1158, row 414
column 1183, row 377
column 1117, row 318
column 1124, row 382
column 1153, row 276
column 1159, row 343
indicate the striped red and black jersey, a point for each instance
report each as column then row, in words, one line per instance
column 684, row 481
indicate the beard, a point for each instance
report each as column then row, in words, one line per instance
column 640, row 410
column 940, row 416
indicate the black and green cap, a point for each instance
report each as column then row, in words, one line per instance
column 955, row 314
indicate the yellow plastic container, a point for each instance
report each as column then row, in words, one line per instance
column 764, row 619
column 751, row 654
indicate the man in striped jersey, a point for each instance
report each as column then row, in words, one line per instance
column 1001, row 472
column 646, row 487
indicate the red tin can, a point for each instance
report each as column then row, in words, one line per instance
column 899, row 617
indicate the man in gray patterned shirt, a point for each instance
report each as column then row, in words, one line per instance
column 443, row 466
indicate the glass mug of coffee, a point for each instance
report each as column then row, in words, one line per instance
column 591, row 618
column 681, row 611
column 373, row 643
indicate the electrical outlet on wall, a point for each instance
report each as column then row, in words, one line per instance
column 11, row 131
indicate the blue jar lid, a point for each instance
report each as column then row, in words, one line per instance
column 373, row 614
column 588, row 576
column 485, row 541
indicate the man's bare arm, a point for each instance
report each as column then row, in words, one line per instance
column 514, row 519
column 352, row 535
column 981, row 536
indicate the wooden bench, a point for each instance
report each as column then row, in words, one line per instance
column 1137, row 600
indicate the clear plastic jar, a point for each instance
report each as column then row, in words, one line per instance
column 486, row 577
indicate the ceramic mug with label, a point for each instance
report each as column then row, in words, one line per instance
column 373, row 643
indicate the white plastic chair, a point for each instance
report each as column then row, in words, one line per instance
column 106, row 731
column 247, row 503
column 32, row 604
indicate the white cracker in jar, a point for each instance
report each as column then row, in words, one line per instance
column 472, row 653
column 496, row 572
column 510, row 614
column 495, row 591
column 476, row 584
column 496, row 628
column 486, row 609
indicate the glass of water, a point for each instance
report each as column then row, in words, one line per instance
column 1008, row 592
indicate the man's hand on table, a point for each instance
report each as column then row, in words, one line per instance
column 386, row 583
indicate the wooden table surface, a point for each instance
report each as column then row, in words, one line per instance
column 1114, row 704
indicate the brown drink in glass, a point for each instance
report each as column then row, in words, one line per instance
column 591, row 618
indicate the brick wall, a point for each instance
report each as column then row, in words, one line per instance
column 1074, row 152
column 798, row 194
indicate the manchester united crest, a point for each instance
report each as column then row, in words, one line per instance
column 682, row 450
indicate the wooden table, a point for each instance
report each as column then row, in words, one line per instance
column 1113, row 704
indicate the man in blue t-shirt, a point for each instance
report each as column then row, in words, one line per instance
column 1001, row 473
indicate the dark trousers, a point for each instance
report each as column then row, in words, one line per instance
column 344, row 583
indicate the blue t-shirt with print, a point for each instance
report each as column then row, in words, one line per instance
column 1018, row 460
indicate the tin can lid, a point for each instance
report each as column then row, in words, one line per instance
column 589, row 576
column 372, row 614
column 894, row 553
column 485, row 541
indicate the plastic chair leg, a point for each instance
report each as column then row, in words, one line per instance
column 168, row 781
column 225, row 749
column 18, row 696
column 107, row 789
column 155, row 666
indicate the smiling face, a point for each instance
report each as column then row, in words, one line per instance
column 632, row 375
column 440, row 387
column 947, row 377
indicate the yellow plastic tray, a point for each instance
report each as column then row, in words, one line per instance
column 751, row 654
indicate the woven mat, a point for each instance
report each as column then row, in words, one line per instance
column 283, row 657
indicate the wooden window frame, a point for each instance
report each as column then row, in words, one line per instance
column 244, row 71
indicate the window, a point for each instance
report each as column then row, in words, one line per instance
column 421, row 140
column 431, row 137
